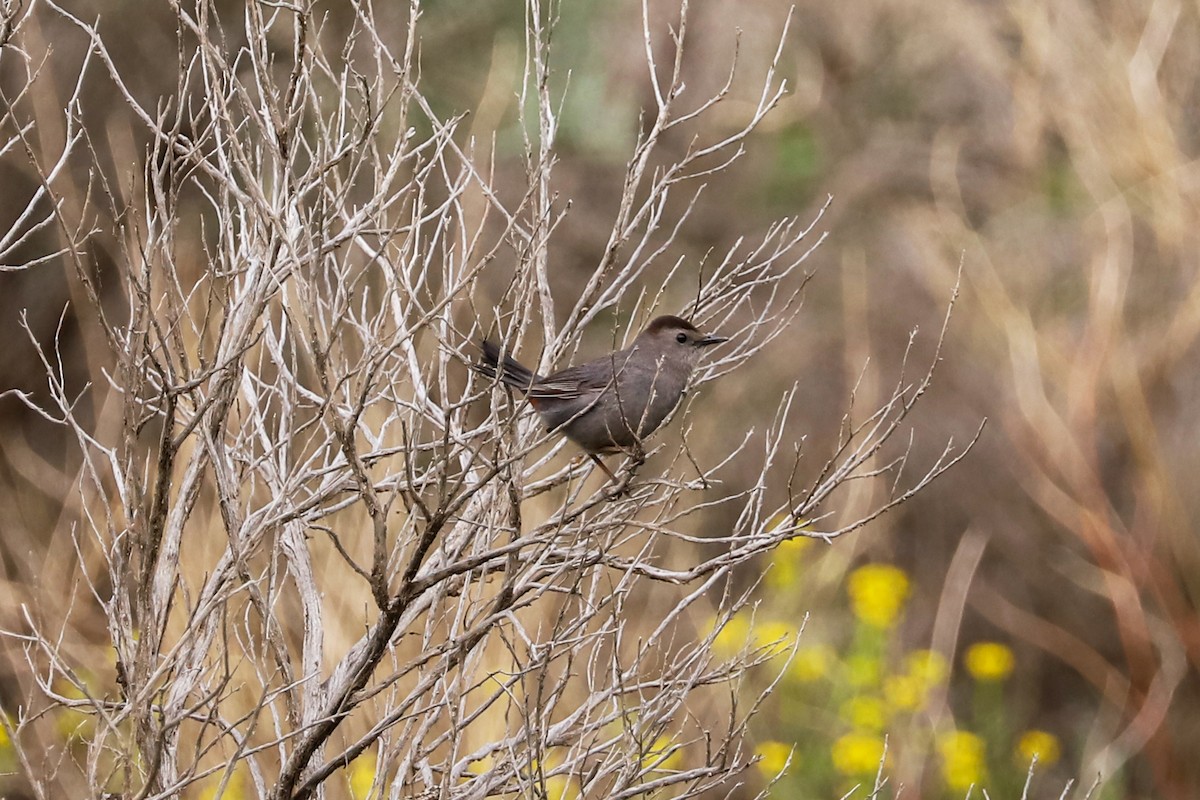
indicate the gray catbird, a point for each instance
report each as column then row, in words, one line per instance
column 612, row 403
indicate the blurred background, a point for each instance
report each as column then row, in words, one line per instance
column 1039, row 598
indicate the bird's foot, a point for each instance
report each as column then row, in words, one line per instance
column 637, row 456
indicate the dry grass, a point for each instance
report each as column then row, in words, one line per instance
column 1048, row 148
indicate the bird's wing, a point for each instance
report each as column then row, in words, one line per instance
column 572, row 382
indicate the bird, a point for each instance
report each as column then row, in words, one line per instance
column 610, row 404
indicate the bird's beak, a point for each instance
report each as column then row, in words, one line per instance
column 709, row 340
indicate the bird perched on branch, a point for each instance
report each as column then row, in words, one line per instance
column 612, row 403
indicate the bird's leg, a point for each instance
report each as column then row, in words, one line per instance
column 637, row 457
column 606, row 470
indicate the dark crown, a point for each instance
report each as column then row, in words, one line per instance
column 669, row 322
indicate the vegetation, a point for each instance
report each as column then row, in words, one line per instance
column 266, row 535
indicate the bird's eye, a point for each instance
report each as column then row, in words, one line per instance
column 681, row 338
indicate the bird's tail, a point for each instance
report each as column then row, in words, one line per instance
column 511, row 372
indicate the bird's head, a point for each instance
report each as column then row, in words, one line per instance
column 677, row 338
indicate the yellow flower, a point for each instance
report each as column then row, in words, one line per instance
column 73, row 725
column 233, row 788
column 773, row 758
column 964, row 760
column 362, row 775
column 783, row 574
column 903, row 692
column 477, row 767
column 775, row 635
column 794, row 548
column 1038, row 743
column 663, row 755
column 857, row 753
column 877, row 594
column 864, row 713
column 785, row 561
column 733, row 635
column 927, row 666
column 785, row 521
column 561, row 787
column 780, row 521
column 863, row 671
column 75, row 722
column 812, row 663
column 989, row 661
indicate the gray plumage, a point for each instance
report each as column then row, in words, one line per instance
column 612, row 403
